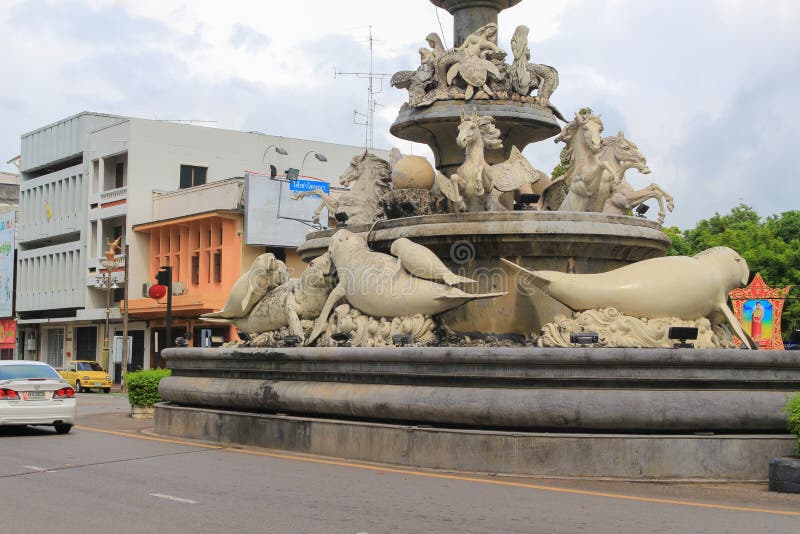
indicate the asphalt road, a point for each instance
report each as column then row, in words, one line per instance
column 111, row 475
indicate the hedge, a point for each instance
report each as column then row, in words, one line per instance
column 142, row 386
column 792, row 409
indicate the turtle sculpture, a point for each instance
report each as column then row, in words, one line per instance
column 475, row 72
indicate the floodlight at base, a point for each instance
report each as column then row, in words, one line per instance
column 340, row 338
column 244, row 336
column 291, row 341
column 401, row 340
column 584, row 338
column 341, row 217
column 683, row 333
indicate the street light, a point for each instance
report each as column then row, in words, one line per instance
column 280, row 150
column 106, row 281
column 320, row 157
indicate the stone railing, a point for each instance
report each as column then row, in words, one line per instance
column 112, row 195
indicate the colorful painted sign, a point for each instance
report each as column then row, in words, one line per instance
column 7, row 224
column 8, row 333
column 758, row 307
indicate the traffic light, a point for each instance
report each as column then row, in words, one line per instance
column 163, row 277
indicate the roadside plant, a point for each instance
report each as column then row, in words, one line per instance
column 792, row 409
column 143, row 386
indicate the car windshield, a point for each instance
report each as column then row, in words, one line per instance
column 26, row 370
column 89, row 366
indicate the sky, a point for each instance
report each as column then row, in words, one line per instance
column 706, row 88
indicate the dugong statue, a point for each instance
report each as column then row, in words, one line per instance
column 379, row 285
column 288, row 303
column 673, row 286
column 266, row 273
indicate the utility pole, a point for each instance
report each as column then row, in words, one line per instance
column 164, row 278
column 371, row 77
column 124, row 363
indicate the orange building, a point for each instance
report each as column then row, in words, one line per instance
column 208, row 255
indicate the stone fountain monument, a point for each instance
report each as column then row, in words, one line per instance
column 479, row 316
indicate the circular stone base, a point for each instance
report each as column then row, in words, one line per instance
column 638, row 457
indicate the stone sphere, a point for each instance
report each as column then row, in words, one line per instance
column 412, row 172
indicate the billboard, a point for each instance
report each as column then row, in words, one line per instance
column 7, row 226
column 272, row 217
column 758, row 307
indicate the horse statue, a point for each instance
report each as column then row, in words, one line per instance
column 620, row 197
column 585, row 169
column 371, row 177
column 478, row 186
column 470, row 189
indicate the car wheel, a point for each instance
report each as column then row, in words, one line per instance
column 63, row 428
column 106, row 390
column 78, row 387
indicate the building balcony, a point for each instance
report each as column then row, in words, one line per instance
column 110, row 203
column 187, row 305
column 118, row 195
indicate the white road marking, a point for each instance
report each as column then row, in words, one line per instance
column 171, row 498
column 35, row 468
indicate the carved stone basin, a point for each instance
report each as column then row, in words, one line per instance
column 471, row 244
column 437, row 126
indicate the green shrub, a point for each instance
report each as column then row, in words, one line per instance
column 792, row 409
column 143, row 386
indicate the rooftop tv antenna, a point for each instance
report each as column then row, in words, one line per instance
column 372, row 77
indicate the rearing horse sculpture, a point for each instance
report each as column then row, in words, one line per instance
column 618, row 196
column 585, row 171
column 371, row 177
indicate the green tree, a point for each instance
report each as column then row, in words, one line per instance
column 771, row 246
column 563, row 163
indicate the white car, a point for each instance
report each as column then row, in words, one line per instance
column 33, row 393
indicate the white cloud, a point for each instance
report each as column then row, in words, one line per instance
column 704, row 88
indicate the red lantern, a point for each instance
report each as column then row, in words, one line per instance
column 157, row 291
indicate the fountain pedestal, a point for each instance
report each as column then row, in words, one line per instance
column 471, row 244
column 437, row 126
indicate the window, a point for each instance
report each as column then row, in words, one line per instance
column 86, row 343
column 55, row 347
column 192, row 176
column 196, row 269
column 119, row 172
column 218, row 266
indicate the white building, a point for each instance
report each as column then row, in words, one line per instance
column 90, row 178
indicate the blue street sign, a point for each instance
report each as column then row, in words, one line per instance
column 309, row 185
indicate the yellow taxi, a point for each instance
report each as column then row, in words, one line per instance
column 85, row 375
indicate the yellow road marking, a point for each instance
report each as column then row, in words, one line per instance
column 444, row 476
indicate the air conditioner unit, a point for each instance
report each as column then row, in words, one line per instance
column 178, row 288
